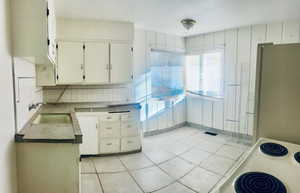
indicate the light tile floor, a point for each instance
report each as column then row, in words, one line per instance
column 184, row 160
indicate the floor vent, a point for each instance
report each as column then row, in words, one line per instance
column 210, row 133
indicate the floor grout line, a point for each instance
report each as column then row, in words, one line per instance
column 129, row 173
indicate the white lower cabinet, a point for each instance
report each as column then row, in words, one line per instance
column 109, row 145
column 106, row 133
column 130, row 144
column 109, row 129
column 130, row 128
column 89, row 128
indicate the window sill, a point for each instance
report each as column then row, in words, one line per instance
column 204, row 96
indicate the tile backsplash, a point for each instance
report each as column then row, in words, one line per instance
column 107, row 93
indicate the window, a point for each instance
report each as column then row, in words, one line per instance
column 204, row 73
column 192, row 73
column 162, row 82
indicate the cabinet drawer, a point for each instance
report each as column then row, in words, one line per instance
column 128, row 117
column 130, row 144
column 109, row 117
column 109, row 129
column 129, row 128
column 109, row 145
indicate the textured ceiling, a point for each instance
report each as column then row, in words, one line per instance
column 165, row 15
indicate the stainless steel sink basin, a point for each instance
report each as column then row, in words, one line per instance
column 53, row 119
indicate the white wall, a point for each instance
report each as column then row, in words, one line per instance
column 240, row 46
column 8, row 182
column 27, row 93
column 88, row 29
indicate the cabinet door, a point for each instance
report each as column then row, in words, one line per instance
column 70, row 63
column 51, row 30
column 121, row 63
column 96, row 63
column 89, row 128
column 207, row 113
column 194, row 110
column 218, row 115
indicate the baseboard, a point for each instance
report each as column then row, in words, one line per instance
column 156, row 132
column 246, row 138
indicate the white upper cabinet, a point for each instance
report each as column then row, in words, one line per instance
column 291, row 32
column 96, row 65
column 274, row 32
column 33, row 33
column 121, row 63
column 51, row 21
column 70, row 63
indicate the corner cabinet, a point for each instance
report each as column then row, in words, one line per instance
column 94, row 63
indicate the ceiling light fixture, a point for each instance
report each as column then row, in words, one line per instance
column 188, row 23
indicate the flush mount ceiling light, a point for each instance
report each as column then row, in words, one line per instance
column 188, row 23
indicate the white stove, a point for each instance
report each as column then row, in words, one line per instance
column 269, row 167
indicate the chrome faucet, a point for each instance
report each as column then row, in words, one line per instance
column 34, row 106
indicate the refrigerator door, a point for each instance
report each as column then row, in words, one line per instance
column 278, row 93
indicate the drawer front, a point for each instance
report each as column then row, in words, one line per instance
column 130, row 128
column 128, row 117
column 109, row 117
column 109, row 146
column 109, row 129
column 130, row 144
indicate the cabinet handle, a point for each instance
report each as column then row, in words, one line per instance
column 128, row 126
column 129, row 142
column 108, row 128
column 109, row 144
column 108, row 117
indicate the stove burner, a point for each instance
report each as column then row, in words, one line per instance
column 273, row 149
column 297, row 157
column 258, row 182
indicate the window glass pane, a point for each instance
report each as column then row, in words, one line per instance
column 192, row 73
column 166, row 74
column 211, row 73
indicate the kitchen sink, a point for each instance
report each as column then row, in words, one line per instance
column 53, row 119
